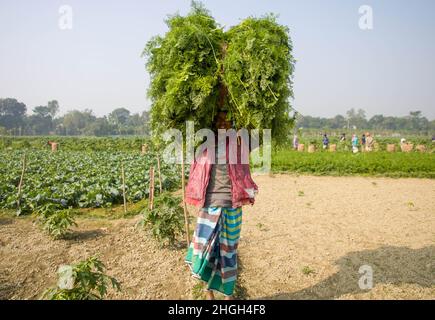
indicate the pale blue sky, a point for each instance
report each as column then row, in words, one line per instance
column 97, row 64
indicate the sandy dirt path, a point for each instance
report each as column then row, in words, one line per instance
column 305, row 238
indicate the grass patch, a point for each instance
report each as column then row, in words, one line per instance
column 308, row 271
column 114, row 212
column 261, row 227
column 414, row 164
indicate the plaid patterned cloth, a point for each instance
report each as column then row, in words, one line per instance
column 212, row 254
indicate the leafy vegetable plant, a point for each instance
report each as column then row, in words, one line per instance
column 85, row 280
column 55, row 221
column 195, row 59
column 165, row 220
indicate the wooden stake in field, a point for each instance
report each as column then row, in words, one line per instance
column 151, row 204
column 123, row 187
column 20, row 185
column 186, row 219
column 144, row 149
column 160, row 175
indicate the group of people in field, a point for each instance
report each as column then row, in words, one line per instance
column 366, row 142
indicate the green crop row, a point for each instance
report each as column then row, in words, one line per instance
column 381, row 163
column 79, row 179
column 346, row 145
column 133, row 143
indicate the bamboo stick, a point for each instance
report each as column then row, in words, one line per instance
column 160, row 175
column 123, row 187
column 186, row 219
column 20, row 185
column 151, row 204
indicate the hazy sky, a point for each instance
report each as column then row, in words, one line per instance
column 389, row 69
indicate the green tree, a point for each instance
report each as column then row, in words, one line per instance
column 338, row 122
column 74, row 122
column 12, row 114
column 417, row 122
column 376, row 122
column 99, row 127
column 53, row 107
column 119, row 118
column 356, row 118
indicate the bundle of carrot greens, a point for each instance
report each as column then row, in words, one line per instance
column 198, row 69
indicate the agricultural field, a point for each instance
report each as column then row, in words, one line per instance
column 86, row 172
column 91, row 208
column 325, row 213
column 79, row 179
column 310, row 236
column 379, row 162
column 111, row 144
column 380, row 140
column 398, row 164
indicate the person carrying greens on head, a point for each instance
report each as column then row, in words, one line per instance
column 219, row 188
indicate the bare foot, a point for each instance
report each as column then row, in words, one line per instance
column 210, row 295
column 228, row 298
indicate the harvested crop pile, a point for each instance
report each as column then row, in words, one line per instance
column 198, row 69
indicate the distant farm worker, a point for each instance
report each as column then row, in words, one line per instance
column 295, row 142
column 363, row 142
column 219, row 187
column 354, row 143
column 325, row 141
column 53, row 145
column 343, row 143
column 403, row 144
column 343, row 137
column 369, row 142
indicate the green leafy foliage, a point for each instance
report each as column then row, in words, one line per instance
column 382, row 141
column 55, row 220
column 71, row 143
column 258, row 67
column 380, row 163
column 307, row 270
column 79, row 179
column 184, row 67
column 165, row 220
column 85, row 280
column 195, row 57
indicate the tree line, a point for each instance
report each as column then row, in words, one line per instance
column 414, row 122
column 44, row 120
